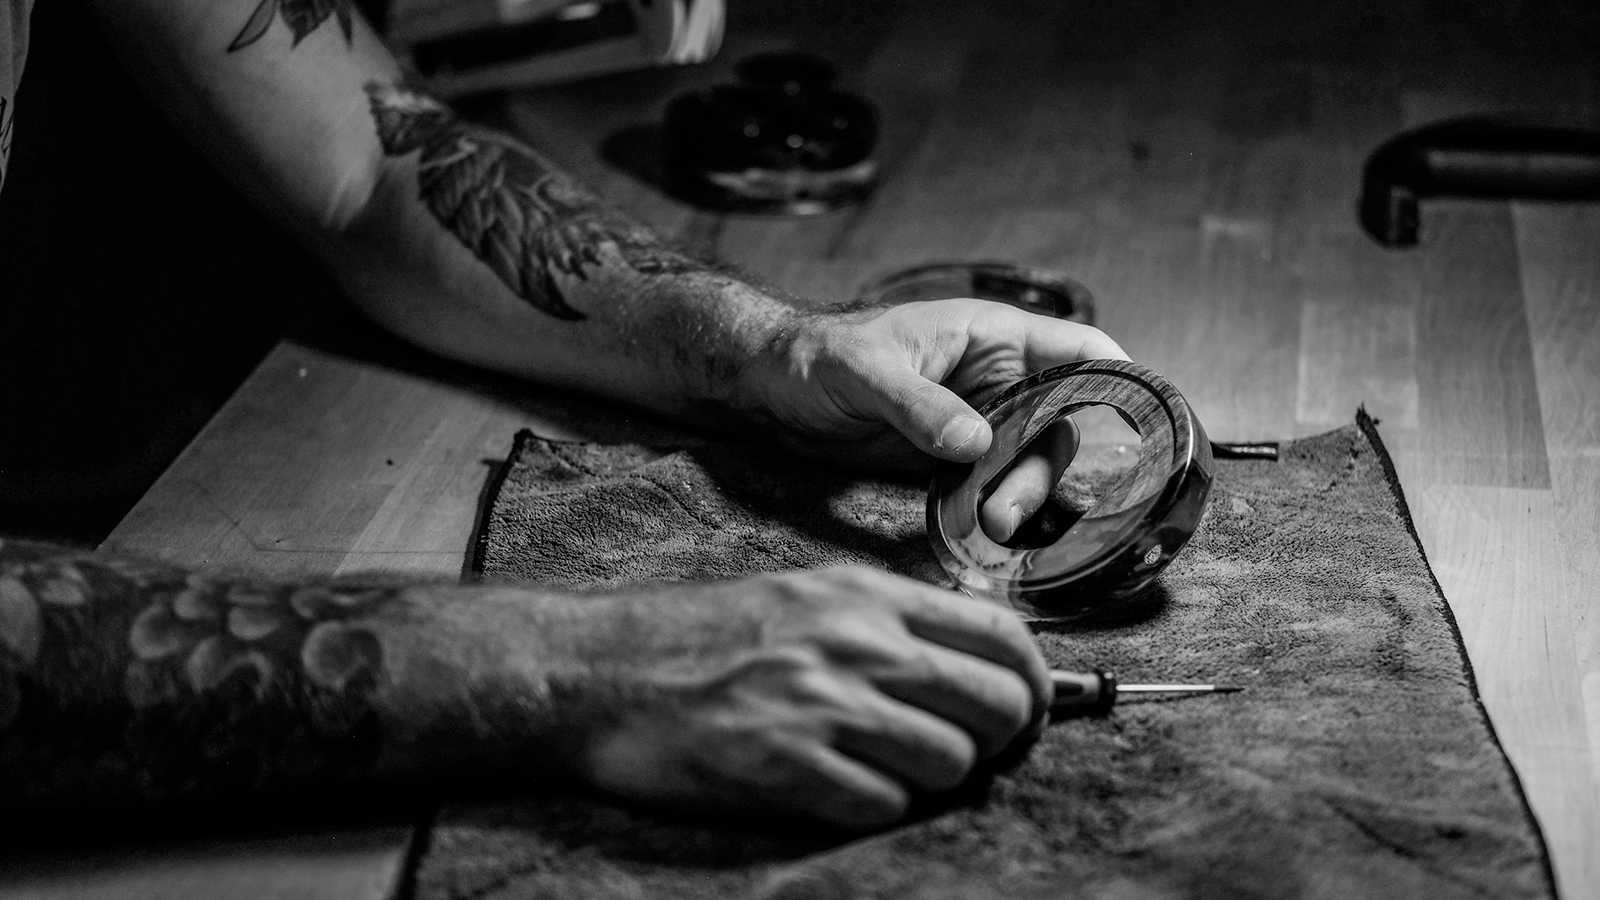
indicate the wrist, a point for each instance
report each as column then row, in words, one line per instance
column 787, row 381
column 732, row 361
column 474, row 687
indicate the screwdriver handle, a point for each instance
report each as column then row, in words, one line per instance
column 1083, row 693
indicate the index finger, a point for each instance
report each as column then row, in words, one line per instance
column 1056, row 342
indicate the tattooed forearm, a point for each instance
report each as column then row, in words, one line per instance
column 301, row 16
column 525, row 220
column 125, row 682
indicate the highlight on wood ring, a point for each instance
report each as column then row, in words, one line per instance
column 1132, row 532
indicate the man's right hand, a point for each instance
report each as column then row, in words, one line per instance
column 833, row 695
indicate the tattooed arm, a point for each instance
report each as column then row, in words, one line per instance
column 457, row 237
column 831, row 695
column 124, row 682
column 467, row 242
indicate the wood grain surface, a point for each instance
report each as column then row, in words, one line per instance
column 1197, row 166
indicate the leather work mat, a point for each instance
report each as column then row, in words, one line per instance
column 1358, row 762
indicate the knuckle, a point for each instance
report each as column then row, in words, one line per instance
column 817, row 687
column 919, row 670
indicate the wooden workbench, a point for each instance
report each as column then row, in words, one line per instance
column 1198, row 168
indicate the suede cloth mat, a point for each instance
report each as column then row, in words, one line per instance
column 1357, row 763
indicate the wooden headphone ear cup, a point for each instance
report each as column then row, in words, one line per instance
column 1121, row 543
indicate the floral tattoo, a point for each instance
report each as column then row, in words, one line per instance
column 528, row 222
column 137, row 682
column 301, row 16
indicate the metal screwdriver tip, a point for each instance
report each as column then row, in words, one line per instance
column 1178, row 688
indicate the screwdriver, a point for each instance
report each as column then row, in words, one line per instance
column 1094, row 693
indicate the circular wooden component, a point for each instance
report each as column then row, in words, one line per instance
column 1131, row 533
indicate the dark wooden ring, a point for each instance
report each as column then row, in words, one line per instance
column 1121, row 543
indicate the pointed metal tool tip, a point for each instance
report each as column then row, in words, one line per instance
column 1178, row 689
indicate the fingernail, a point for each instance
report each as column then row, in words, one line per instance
column 958, row 433
column 1013, row 520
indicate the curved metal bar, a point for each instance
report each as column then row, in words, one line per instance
column 1483, row 156
column 1131, row 533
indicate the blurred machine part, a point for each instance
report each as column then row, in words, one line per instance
column 1510, row 157
column 469, row 46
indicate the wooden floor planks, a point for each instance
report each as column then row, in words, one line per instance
column 1499, row 555
column 1479, row 402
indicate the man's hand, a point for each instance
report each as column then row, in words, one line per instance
column 877, row 386
column 831, row 695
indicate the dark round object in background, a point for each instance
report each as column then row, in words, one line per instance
column 789, row 72
column 783, row 141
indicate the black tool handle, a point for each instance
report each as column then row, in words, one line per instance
column 1503, row 157
column 1082, row 693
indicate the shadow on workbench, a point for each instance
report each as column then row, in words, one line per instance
column 139, row 291
column 39, row 832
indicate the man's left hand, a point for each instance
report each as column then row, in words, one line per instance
column 889, row 387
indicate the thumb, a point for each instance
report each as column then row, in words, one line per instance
column 931, row 416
